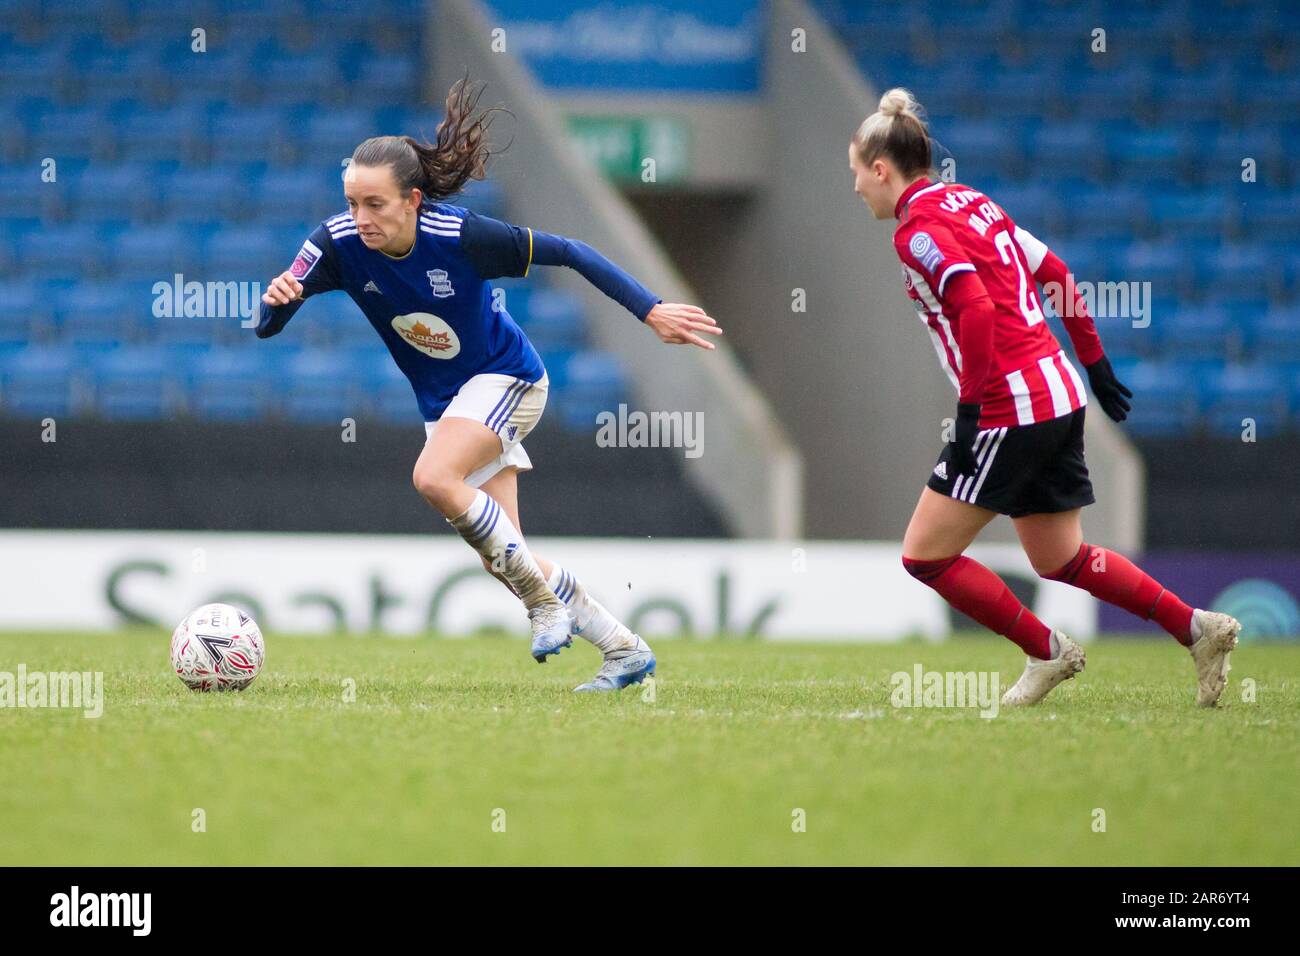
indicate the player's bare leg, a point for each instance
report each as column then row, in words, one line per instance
column 1055, row 547
column 943, row 527
column 628, row 658
column 457, row 448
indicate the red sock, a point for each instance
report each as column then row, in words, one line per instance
column 979, row 593
column 1116, row 580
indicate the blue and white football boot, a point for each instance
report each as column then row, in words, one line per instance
column 625, row 666
column 551, row 630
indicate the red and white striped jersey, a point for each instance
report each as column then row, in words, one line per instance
column 945, row 229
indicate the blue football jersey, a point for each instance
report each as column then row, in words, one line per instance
column 432, row 307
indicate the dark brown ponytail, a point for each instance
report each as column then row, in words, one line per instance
column 459, row 152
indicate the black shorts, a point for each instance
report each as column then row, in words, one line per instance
column 1023, row 469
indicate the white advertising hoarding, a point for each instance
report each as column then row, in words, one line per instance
column 411, row 585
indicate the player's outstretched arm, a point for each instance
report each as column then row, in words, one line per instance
column 1058, row 282
column 680, row 324
column 500, row 249
column 314, row 270
column 280, row 301
column 283, row 289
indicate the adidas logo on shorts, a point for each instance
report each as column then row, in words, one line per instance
column 941, row 470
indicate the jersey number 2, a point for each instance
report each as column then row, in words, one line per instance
column 1029, row 307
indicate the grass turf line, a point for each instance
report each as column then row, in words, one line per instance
column 444, row 733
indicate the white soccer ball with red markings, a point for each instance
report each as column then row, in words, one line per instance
column 218, row 647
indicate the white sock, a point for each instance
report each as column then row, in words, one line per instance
column 1196, row 625
column 593, row 621
column 487, row 529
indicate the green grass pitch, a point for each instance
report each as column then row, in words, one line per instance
column 466, row 752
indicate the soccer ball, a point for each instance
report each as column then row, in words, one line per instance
column 218, row 647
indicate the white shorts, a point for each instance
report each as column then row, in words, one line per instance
column 509, row 406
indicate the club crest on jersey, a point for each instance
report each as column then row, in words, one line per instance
column 428, row 333
column 925, row 250
column 441, row 284
column 308, row 255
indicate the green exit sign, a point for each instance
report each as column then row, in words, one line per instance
column 640, row 149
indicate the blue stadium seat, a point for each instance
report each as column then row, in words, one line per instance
column 1201, row 332
column 100, row 313
column 1111, row 93
column 293, row 197
column 20, row 311
column 205, row 194
column 230, row 384
column 1152, row 154
column 114, row 193
column 134, row 383
column 1269, row 212
column 250, row 134
column 1266, row 97
column 156, row 253
column 39, row 381
column 211, row 76
column 335, row 133
column 334, row 319
column 593, row 382
column 384, row 79
column 1234, row 144
column 161, row 134
column 1242, row 268
column 71, row 251
column 322, row 386
column 1107, row 212
column 1067, row 149
column 114, row 72
column 246, row 254
column 552, row 320
column 309, row 78
column 1275, row 335
column 391, row 397
column 1203, row 214
column 1163, row 403
column 486, row 197
column 1189, row 97
column 998, row 141
column 1165, row 264
column 1240, row 394
column 1021, row 92
column 72, row 132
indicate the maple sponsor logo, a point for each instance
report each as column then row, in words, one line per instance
column 428, row 333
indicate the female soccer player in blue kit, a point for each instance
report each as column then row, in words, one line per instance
column 420, row 270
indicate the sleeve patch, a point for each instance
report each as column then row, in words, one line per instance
column 925, row 250
column 306, row 260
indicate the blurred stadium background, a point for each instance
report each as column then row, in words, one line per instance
column 145, row 140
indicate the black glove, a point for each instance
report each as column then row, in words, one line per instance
column 1110, row 391
column 961, row 450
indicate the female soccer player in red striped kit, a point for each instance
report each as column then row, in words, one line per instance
column 1017, row 447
